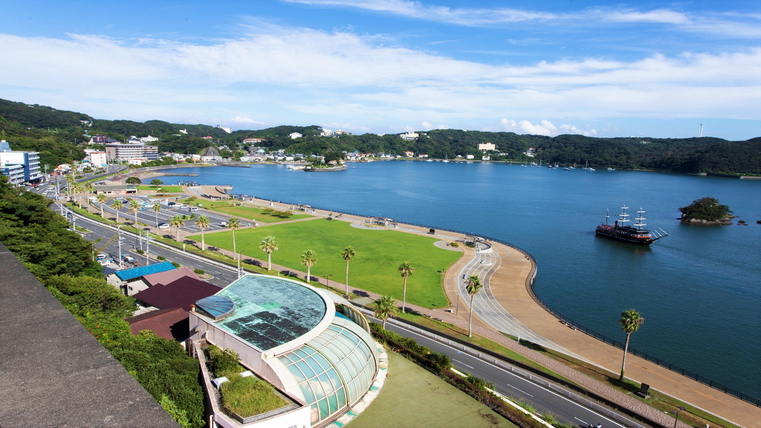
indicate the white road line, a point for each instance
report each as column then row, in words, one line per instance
column 518, row 389
column 471, row 367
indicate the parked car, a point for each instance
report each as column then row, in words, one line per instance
column 129, row 259
column 163, row 226
column 222, row 224
column 101, row 256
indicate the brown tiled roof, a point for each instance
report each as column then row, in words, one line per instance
column 177, row 294
column 171, row 324
column 164, row 278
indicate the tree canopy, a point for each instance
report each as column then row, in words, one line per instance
column 706, row 209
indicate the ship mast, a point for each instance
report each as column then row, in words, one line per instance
column 638, row 221
column 623, row 218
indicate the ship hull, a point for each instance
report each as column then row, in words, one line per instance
column 618, row 234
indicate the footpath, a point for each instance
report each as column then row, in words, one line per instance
column 508, row 284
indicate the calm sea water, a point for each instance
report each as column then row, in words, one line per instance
column 698, row 289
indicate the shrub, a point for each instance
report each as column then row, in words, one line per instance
column 162, row 258
column 222, row 361
column 199, row 271
column 176, row 265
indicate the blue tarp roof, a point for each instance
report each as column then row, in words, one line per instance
column 127, row 274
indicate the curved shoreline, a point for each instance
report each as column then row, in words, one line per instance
column 525, row 305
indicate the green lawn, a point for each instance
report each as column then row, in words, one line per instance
column 256, row 214
column 163, row 188
column 379, row 253
column 413, row 397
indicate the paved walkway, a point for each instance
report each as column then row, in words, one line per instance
column 506, row 285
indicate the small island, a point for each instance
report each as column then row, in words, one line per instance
column 706, row 211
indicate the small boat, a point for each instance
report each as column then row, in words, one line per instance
column 611, row 169
column 621, row 231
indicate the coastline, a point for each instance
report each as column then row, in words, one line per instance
column 517, row 299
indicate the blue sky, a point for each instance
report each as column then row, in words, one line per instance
column 386, row 66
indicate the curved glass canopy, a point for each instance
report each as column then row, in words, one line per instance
column 217, row 307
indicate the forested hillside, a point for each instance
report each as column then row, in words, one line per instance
column 60, row 137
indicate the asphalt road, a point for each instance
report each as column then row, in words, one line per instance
column 516, row 386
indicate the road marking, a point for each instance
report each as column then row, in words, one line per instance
column 463, row 363
column 518, row 389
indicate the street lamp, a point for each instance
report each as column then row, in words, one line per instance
column 457, row 310
column 327, row 279
column 676, row 417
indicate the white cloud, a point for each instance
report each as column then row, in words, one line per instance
column 544, row 127
column 303, row 76
column 245, row 120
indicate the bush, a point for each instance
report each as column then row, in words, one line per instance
column 162, row 258
column 176, row 265
column 199, row 271
column 221, row 362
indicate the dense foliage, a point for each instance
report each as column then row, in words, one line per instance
column 62, row 260
column 706, row 209
column 58, row 136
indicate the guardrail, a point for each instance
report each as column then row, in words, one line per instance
column 530, row 287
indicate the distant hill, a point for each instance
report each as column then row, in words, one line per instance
column 59, row 136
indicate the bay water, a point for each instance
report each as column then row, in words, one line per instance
column 699, row 289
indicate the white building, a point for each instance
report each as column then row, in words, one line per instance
column 97, row 158
column 295, row 135
column 487, row 147
column 409, row 136
column 10, row 160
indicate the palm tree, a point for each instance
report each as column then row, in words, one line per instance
column 70, row 180
column 308, row 259
column 473, row 286
column 89, row 188
column 233, row 224
column 384, row 308
column 77, row 188
column 134, row 205
column 203, row 223
column 630, row 322
column 101, row 198
column 156, row 211
column 268, row 245
column 117, row 205
column 177, row 222
column 348, row 254
column 405, row 269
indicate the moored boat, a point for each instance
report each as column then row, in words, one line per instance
column 620, row 230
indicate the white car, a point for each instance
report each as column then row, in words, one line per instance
column 163, row 226
column 223, row 224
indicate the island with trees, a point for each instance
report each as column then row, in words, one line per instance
column 707, row 211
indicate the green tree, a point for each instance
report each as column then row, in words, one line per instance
column 348, row 254
column 233, row 224
column 133, row 180
column 708, row 209
column 308, row 259
column 177, row 222
column 156, row 183
column 134, row 205
column 101, row 198
column 385, row 307
column 203, row 223
column 117, row 205
column 405, row 270
column 473, row 286
column 630, row 322
column 268, row 245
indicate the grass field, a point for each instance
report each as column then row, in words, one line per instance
column 413, row 397
column 256, row 214
column 164, row 188
column 379, row 253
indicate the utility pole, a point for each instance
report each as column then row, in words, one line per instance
column 119, row 240
column 147, row 245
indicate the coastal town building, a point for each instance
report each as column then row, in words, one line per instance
column 487, row 147
column 19, row 165
column 295, row 135
column 134, row 154
column 409, row 136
